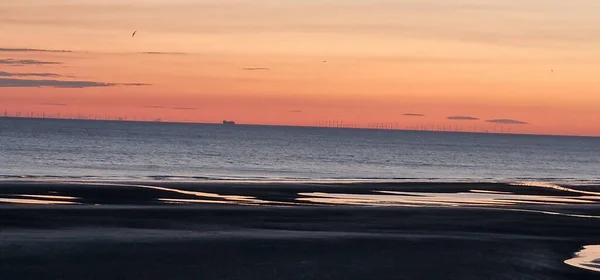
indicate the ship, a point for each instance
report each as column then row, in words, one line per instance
column 228, row 122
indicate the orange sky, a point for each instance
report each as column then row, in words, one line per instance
column 534, row 61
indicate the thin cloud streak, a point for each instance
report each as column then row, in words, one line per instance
column 24, row 83
column 462, row 118
column 133, row 84
column 20, row 62
column 255, row 68
column 163, row 53
column 183, row 108
column 413, row 115
column 53, row 104
column 506, row 121
column 10, row 74
column 24, row 50
column 33, row 50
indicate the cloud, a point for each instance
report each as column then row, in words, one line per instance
column 255, row 68
column 33, row 50
column 183, row 108
column 295, row 111
column 506, row 121
column 462, row 118
column 132, row 84
column 413, row 115
column 53, row 104
column 163, row 53
column 23, row 83
column 9, row 74
column 20, row 62
column 21, row 50
column 154, row 106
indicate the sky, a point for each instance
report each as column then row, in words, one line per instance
column 528, row 66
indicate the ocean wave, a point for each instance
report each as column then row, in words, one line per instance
column 522, row 181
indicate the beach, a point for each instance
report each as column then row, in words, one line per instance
column 270, row 230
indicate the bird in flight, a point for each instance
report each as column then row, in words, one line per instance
column 133, row 34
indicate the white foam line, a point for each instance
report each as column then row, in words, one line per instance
column 588, row 258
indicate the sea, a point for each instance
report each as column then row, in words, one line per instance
column 117, row 150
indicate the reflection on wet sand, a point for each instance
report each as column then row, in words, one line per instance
column 179, row 200
column 557, row 213
column 588, row 258
column 492, row 198
column 186, row 201
column 224, row 199
column 479, row 198
column 34, row 201
column 484, row 191
column 48, row 196
column 554, row 187
column 385, row 200
column 504, row 196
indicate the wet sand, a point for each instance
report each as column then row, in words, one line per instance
column 265, row 231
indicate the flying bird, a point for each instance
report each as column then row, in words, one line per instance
column 133, row 34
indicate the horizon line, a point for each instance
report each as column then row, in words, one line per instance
column 289, row 125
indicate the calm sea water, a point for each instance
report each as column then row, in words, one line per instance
column 129, row 150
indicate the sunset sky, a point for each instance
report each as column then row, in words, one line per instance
column 262, row 61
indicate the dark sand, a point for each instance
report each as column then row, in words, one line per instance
column 130, row 234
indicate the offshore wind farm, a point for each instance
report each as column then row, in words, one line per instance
column 473, row 128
